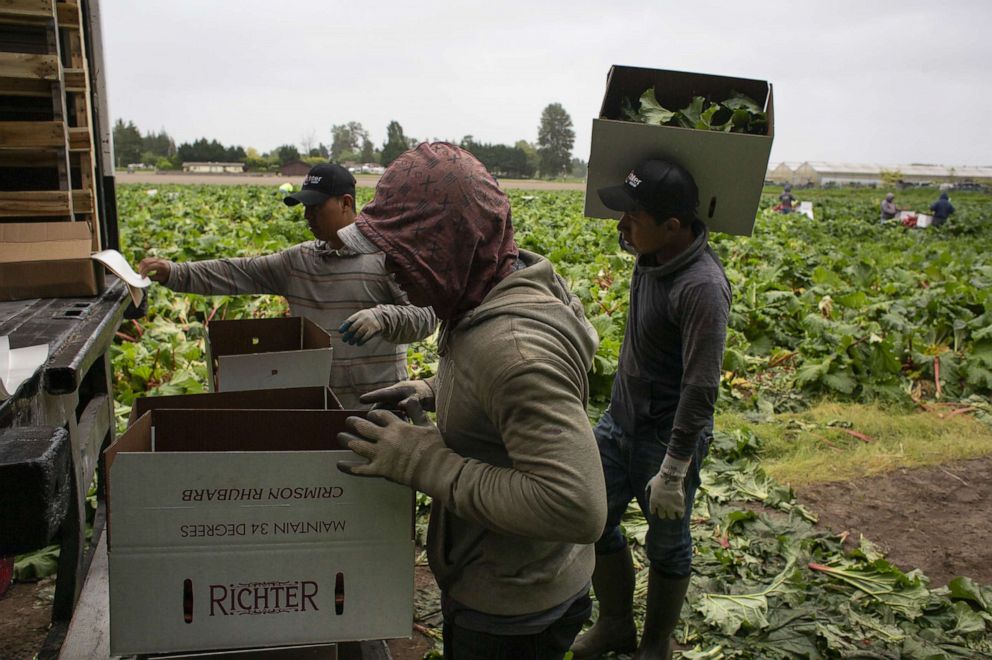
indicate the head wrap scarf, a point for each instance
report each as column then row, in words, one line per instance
column 443, row 220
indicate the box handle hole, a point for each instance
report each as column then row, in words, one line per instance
column 254, row 341
column 339, row 594
column 712, row 207
column 188, row 600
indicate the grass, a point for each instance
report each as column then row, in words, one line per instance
column 820, row 444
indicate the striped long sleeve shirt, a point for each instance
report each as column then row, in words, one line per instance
column 326, row 286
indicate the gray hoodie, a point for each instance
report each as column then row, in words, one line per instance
column 520, row 495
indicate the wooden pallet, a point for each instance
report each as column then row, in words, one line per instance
column 47, row 149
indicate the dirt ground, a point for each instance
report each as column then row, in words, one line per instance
column 25, row 612
column 368, row 180
column 936, row 519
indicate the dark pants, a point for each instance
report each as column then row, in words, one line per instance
column 549, row 644
column 629, row 462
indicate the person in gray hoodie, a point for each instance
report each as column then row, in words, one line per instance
column 889, row 210
column 655, row 433
column 512, row 467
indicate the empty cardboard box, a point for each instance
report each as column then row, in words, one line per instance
column 47, row 260
column 235, row 529
column 291, row 398
column 729, row 168
column 261, row 354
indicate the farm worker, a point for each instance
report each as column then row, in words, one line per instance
column 656, row 431
column 889, row 208
column 511, row 465
column 941, row 209
column 786, row 199
column 326, row 282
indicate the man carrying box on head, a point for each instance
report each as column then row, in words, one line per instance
column 656, row 431
column 511, row 465
column 326, row 282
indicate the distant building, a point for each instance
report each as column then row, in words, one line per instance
column 782, row 173
column 214, row 168
column 819, row 173
column 295, row 168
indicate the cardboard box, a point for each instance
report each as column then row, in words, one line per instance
column 292, row 398
column 235, row 529
column 729, row 168
column 261, row 354
column 47, row 260
column 914, row 219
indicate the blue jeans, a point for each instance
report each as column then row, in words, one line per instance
column 628, row 464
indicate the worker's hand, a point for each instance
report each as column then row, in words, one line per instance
column 360, row 327
column 394, row 448
column 155, row 269
column 394, row 395
column 666, row 496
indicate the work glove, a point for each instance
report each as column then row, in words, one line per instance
column 360, row 327
column 392, row 396
column 402, row 452
column 155, row 269
column 665, row 493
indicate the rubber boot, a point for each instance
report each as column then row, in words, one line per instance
column 665, row 598
column 614, row 630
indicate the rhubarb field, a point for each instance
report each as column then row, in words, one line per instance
column 838, row 308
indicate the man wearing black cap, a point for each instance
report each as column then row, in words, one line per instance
column 656, row 430
column 326, row 282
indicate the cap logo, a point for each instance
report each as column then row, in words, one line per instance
column 632, row 180
column 311, row 179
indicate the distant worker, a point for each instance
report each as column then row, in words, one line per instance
column 322, row 280
column 941, row 209
column 786, row 200
column 889, row 208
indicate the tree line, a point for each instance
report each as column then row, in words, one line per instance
column 350, row 143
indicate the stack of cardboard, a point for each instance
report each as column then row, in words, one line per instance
column 229, row 524
column 49, row 210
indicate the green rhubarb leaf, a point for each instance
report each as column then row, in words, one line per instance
column 738, row 101
column 651, row 111
column 36, row 565
column 883, row 582
column 967, row 620
column 840, row 381
column 689, row 116
column 731, row 612
column 964, row 588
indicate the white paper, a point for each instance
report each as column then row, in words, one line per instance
column 17, row 365
column 117, row 264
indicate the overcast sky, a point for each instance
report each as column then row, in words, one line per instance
column 865, row 81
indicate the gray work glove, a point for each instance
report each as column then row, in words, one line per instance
column 392, row 396
column 666, row 496
column 405, row 453
column 361, row 327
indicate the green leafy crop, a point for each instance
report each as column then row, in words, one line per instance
column 737, row 114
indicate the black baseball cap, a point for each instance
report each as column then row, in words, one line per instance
column 322, row 182
column 659, row 187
